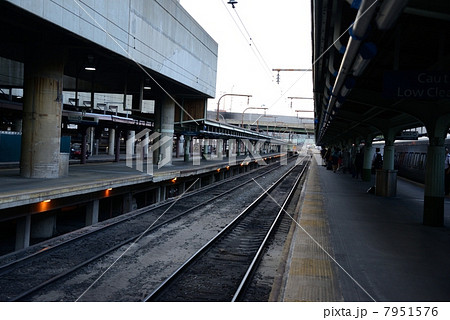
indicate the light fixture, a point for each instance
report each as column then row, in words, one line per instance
column 147, row 84
column 109, row 189
column 47, row 201
column 90, row 66
column 174, row 180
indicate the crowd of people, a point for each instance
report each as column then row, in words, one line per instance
column 349, row 160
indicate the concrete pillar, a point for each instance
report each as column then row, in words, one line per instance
column 146, row 144
column 92, row 212
column 164, row 124
column 158, row 195
column 43, row 226
column 367, row 164
column 433, row 208
column 232, row 152
column 111, row 134
column 388, row 156
column 42, row 111
column 181, row 188
column 23, row 229
column 386, row 179
column 130, row 143
column 224, row 148
column 177, row 146
column 196, row 152
column 187, row 148
column 129, row 203
column 163, row 195
column 97, row 145
column 83, row 144
column 117, row 145
column 91, row 136
column 219, row 148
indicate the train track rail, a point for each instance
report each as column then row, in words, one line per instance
column 30, row 274
column 222, row 268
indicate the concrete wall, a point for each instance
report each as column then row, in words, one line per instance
column 158, row 34
column 11, row 72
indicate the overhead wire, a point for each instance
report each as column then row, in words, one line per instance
column 249, row 40
column 321, row 55
column 262, row 61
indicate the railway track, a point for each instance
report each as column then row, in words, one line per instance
column 221, row 269
column 26, row 276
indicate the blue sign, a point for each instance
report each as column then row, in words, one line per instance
column 417, row 85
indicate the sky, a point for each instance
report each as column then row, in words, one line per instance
column 254, row 38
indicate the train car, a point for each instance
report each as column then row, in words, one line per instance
column 410, row 157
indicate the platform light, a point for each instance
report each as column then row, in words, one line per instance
column 218, row 170
column 174, row 180
column 228, row 167
column 47, row 201
column 90, row 66
column 147, row 85
column 109, row 189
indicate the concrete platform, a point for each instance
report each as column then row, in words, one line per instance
column 97, row 174
column 353, row 246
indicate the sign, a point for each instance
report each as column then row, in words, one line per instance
column 416, row 85
column 408, row 135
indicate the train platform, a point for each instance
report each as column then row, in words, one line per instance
column 97, row 174
column 353, row 246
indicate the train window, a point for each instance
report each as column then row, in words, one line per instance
column 408, row 160
column 401, row 158
column 423, row 157
column 411, row 161
column 404, row 159
column 416, row 160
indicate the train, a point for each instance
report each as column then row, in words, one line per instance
column 410, row 157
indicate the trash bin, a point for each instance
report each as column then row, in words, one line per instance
column 386, row 183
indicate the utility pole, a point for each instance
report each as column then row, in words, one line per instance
column 278, row 72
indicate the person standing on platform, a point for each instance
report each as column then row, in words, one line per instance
column 359, row 161
column 335, row 159
column 328, row 159
column 447, row 172
column 377, row 161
